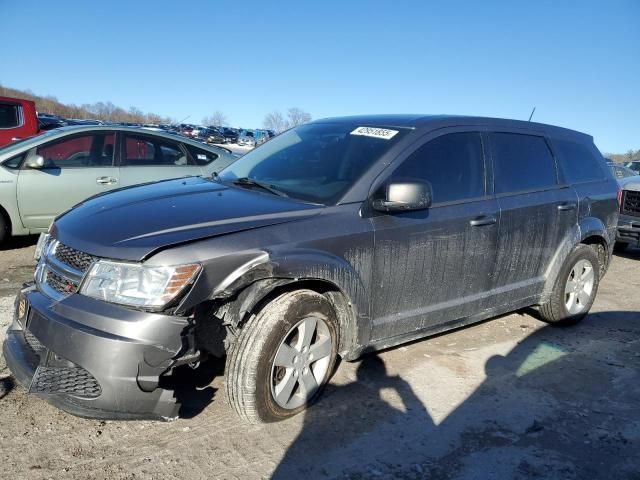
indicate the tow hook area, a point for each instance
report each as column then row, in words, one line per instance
column 159, row 362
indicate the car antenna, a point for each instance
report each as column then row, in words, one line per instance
column 532, row 112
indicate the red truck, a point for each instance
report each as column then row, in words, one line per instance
column 18, row 119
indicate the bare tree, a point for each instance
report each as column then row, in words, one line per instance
column 297, row 117
column 217, row 119
column 275, row 121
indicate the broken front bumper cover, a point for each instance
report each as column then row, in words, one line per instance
column 94, row 359
column 628, row 230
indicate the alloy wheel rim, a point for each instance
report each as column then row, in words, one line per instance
column 579, row 287
column 301, row 363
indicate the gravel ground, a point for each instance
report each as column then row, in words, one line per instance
column 508, row 398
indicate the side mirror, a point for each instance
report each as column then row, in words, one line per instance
column 34, row 161
column 404, row 196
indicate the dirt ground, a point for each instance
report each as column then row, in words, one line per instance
column 508, row 398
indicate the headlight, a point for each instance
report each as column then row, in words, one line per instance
column 43, row 239
column 135, row 284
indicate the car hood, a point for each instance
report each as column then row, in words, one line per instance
column 630, row 183
column 133, row 223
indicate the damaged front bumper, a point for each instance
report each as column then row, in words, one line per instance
column 95, row 359
column 628, row 230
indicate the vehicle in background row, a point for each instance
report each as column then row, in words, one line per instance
column 230, row 135
column 629, row 219
column 634, row 165
column 620, row 171
column 339, row 237
column 43, row 176
column 18, row 120
column 49, row 122
column 246, row 137
column 214, row 135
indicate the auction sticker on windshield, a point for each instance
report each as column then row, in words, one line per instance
column 374, row 132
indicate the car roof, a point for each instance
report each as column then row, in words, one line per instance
column 432, row 122
column 64, row 131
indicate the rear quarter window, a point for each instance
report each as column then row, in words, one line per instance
column 9, row 115
column 200, row 156
column 522, row 163
column 579, row 162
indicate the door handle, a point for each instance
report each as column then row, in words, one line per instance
column 15, row 139
column 483, row 220
column 106, row 180
column 564, row 207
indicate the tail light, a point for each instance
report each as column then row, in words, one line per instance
column 619, row 197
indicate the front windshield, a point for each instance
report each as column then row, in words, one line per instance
column 317, row 162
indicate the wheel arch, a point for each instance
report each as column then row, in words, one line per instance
column 253, row 288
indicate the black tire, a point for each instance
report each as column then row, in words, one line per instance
column 620, row 247
column 555, row 310
column 250, row 362
column 4, row 229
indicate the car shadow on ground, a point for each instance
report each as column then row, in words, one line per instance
column 632, row 253
column 192, row 386
column 564, row 403
column 6, row 385
column 13, row 243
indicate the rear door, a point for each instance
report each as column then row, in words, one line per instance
column 147, row 158
column 537, row 212
column 75, row 168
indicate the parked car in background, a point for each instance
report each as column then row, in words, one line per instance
column 83, row 121
column 629, row 219
column 261, row 136
column 230, row 135
column 620, row 171
column 18, row 119
column 45, row 175
column 246, row 137
column 635, row 165
column 344, row 236
column 49, row 122
column 214, row 135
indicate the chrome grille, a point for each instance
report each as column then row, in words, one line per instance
column 60, row 284
column 61, row 269
column 630, row 203
column 78, row 260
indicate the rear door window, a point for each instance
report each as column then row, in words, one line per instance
column 9, row 115
column 453, row 164
column 578, row 162
column 145, row 151
column 94, row 150
column 522, row 163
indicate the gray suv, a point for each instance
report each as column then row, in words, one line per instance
column 336, row 238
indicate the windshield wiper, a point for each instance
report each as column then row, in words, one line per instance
column 255, row 183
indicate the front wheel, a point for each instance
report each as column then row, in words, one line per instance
column 575, row 288
column 283, row 357
column 4, row 229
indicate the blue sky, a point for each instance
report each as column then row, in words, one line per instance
column 577, row 61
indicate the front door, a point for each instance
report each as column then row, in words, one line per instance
column 434, row 266
column 75, row 168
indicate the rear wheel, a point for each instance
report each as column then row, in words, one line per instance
column 283, row 357
column 575, row 288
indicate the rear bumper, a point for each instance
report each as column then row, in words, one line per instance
column 628, row 230
column 94, row 359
